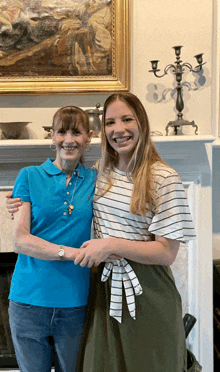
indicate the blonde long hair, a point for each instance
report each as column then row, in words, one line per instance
column 139, row 170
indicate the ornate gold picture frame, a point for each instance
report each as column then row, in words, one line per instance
column 64, row 46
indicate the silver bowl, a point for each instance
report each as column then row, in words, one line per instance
column 47, row 129
column 12, row 130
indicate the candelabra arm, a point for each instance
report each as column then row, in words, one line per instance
column 197, row 68
column 186, row 64
column 167, row 68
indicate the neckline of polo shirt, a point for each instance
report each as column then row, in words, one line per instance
column 51, row 169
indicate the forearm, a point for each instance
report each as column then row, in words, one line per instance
column 148, row 253
column 34, row 246
column 162, row 251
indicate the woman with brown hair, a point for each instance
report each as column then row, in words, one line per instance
column 48, row 294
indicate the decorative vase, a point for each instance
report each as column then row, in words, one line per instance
column 13, row 130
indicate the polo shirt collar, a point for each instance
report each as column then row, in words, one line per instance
column 50, row 168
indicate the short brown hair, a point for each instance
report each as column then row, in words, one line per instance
column 70, row 117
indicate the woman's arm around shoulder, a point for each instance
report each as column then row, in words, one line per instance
column 12, row 204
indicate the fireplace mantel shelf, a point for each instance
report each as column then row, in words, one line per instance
column 36, row 151
column 216, row 143
column 96, row 141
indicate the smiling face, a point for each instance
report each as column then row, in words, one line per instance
column 122, row 131
column 70, row 144
column 70, row 135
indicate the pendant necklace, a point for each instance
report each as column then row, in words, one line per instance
column 70, row 206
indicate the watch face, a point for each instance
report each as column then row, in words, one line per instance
column 61, row 252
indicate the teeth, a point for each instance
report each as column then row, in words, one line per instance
column 123, row 139
column 69, row 148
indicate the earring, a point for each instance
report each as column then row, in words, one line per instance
column 88, row 147
column 53, row 148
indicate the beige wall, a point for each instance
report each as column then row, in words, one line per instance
column 157, row 26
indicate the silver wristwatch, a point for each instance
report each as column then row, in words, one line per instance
column 61, row 253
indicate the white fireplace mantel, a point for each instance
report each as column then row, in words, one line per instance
column 185, row 153
column 191, row 157
column 157, row 139
column 14, row 151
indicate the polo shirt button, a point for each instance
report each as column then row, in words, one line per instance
column 74, row 173
column 67, row 192
column 65, row 203
column 64, row 213
column 70, row 183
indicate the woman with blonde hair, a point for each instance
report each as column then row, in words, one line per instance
column 141, row 214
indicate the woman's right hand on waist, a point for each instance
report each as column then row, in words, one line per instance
column 12, row 205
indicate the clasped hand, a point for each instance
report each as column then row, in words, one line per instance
column 95, row 251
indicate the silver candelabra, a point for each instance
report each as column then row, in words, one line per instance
column 178, row 70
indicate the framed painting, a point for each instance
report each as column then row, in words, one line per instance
column 64, row 46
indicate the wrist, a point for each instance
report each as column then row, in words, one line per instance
column 114, row 245
column 70, row 253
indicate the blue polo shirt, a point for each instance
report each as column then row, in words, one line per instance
column 54, row 283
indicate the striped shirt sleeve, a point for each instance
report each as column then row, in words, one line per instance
column 172, row 218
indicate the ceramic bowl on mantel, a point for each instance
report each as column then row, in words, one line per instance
column 13, row 130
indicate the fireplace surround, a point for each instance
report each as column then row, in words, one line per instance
column 191, row 157
column 7, row 353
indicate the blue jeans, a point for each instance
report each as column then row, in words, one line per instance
column 37, row 331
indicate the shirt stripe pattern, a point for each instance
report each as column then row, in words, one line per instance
column 122, row 275
column 170, row 217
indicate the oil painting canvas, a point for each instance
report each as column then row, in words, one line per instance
column 53, row 43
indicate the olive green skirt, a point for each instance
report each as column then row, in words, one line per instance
column 154, row 342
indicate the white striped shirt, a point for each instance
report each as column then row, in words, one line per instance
column 170, row 218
